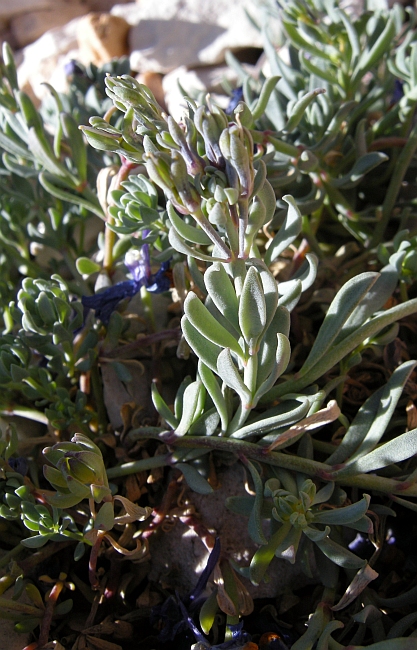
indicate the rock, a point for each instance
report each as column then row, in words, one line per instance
column 44, row 60
column 179, row 556
column 207, row 79
column 26, row 27
column 170, row 33
column 102, row 37
column 8, row 637
column 104, row 5
column 9, row 9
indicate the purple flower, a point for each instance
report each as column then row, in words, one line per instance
column 139, row 265
column 176, row 614
column 398, row 91
column 202, row 581
column 237, row 96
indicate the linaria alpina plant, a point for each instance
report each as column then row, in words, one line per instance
column 285, row 225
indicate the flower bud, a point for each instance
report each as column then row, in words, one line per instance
column 159, row 171
column 210, row 130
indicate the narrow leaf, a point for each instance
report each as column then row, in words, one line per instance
column 285, row 414
column 255, row 519
column 299, row 108
column 344, row 515
column 252, row 307
column 379, row 48
column 208, row 612
column 339, row 311
column 162, row 407
column 201, row 346
column 289, row 231
column 396, row 450
column 361, row 580
column 214, row 390
column 282, row 359
column 190, row 410
column 383, row 405
column 319, row 419
column 194, row 479
column 187, row 232
column 339, row 555
column 264, row 555
column 231, row 377
column 222, row 292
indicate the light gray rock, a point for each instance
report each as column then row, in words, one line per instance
column 44, row 60
column 9, row 9
column 9, row 639
column 199, row 80
column 170, row 33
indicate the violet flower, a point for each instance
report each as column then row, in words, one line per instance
column 176, row 613
column 237, row 96
column 138, row 263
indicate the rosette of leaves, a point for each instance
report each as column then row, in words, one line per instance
column 77, row 472
column 401, row 253
column 19, row 502
column 298, row 520
column 135, row 208
column 85, row 95
column 39, row 360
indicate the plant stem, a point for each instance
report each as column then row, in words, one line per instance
column 20, row 607
column 403, row 163
column 136, row 466
column 49, row 609
column 148, row 308
column 10, row 555
column 256, row 452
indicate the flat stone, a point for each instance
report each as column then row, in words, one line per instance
column 27, row 27
column 170, row 33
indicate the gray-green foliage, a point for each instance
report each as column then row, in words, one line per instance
column 217, row 184
column 322, row 146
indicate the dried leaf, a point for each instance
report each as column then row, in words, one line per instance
column 138, row 553
column 134, row 485
column 223, row 599
column 411, row 415
column 319, row 419
column 133, row 511
column 361, row 580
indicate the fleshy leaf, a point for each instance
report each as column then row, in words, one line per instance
column 252, row 307
column 396, row 450
column 255, row 519
column 194, row 479
column 201, row 319
column 231, row 377
column 289, row 231
column 339, row 311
